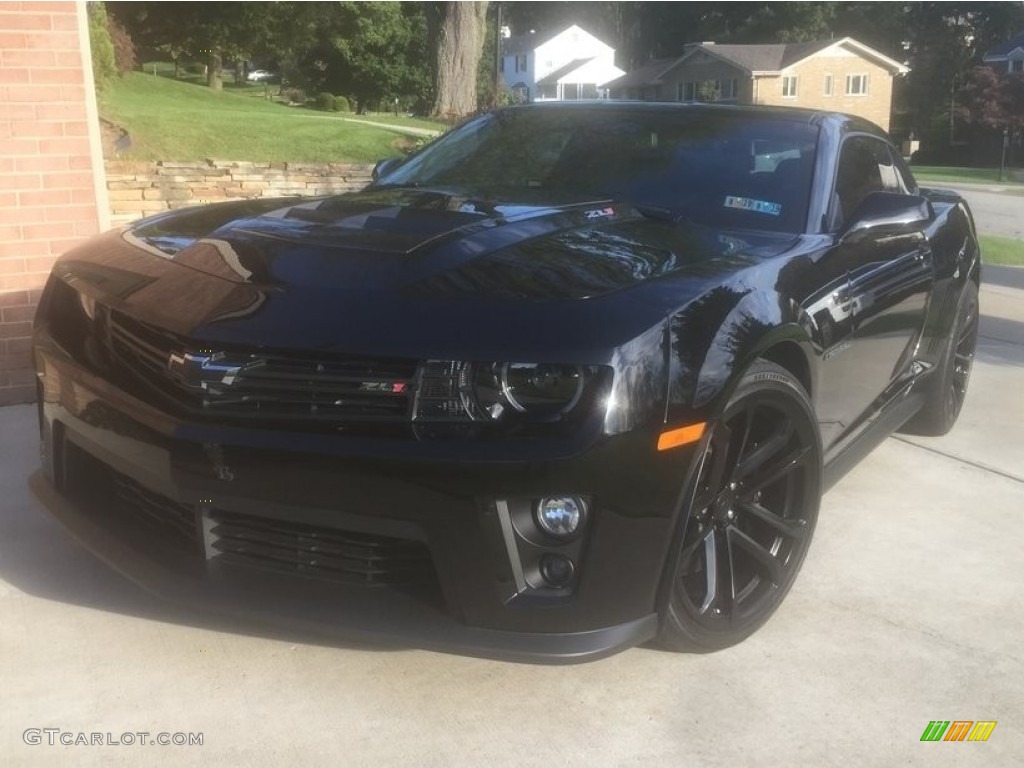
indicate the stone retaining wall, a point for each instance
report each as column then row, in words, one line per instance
column 138, row 189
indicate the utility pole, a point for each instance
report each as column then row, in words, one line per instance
column 497, row 54
column 1002, row 157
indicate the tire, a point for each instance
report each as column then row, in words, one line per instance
column 750, row 511
column 945, row 397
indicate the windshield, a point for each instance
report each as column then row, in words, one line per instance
column 723, row 168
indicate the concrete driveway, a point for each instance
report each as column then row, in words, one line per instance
column 910, row 608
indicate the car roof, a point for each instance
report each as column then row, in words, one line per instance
column 837, row 120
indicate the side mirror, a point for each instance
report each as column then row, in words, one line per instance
column 384, row 167
column 882, row 213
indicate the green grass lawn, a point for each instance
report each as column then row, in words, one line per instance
column 179, row 120
column 1002, row 250
column 973, row 175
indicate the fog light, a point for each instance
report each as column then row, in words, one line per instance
column 561, row 516
column 557, row 570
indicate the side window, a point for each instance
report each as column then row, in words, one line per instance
column 906, row 177
column 865, row 166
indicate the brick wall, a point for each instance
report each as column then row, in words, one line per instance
column 137, row 189
column 49, row 157
column 875, row 105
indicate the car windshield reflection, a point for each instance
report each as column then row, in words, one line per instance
column 721, row 168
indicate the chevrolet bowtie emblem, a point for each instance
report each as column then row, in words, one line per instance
column 202, row 370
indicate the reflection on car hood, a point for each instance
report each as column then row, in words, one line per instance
column 439, row 244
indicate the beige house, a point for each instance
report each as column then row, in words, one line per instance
column 836, row 75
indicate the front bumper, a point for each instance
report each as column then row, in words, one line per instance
column 448, row 504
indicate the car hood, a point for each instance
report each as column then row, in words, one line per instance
column 350, row 270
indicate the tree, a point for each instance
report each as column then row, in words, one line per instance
column 375, row 44
column 208, row 31
column 457, row 30
column 994, row 102
column 992, row 99
column 104, row 67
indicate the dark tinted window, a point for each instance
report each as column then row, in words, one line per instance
column 865, row 166
column 730, row 169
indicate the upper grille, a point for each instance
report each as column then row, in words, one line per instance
column 246, row 386
column 357, row 558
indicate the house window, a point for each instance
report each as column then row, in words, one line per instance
column 828, row 84
column 725, row 90
column 789, row 86
column 687, row 91
column 856, row 85
column 1015, row 65
column 521, row 63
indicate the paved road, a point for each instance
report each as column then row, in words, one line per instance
column 909, row 609
column 995, row 213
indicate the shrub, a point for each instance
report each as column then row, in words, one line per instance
column 325, row 101
column 341, row 104
column 103, row 68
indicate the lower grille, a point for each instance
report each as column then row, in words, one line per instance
column 116, row 496
column 176, row 518
column 354, row 558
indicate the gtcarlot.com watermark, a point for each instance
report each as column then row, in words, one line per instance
column 58, row 737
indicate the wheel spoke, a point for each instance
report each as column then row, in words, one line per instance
column 764, row 452
column 766, row 562
column 719, row 584
column 710, row 570
column 968, row 330
column 748, row 425
column 767, row 475
column 719, row 445
column 795, row 529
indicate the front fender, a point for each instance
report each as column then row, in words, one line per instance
column 702, row 377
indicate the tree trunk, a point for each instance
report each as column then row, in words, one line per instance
column 458, row 36
column 213, row 71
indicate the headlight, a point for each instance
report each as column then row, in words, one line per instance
column 541, row 388
column 503, row 392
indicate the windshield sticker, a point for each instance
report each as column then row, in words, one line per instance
column 757, row 206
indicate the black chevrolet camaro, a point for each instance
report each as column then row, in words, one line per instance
column 571, row 378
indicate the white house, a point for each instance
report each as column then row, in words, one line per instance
column 568, row 66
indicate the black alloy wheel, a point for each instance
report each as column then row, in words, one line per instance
column 752, row 510
column 948, row 391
